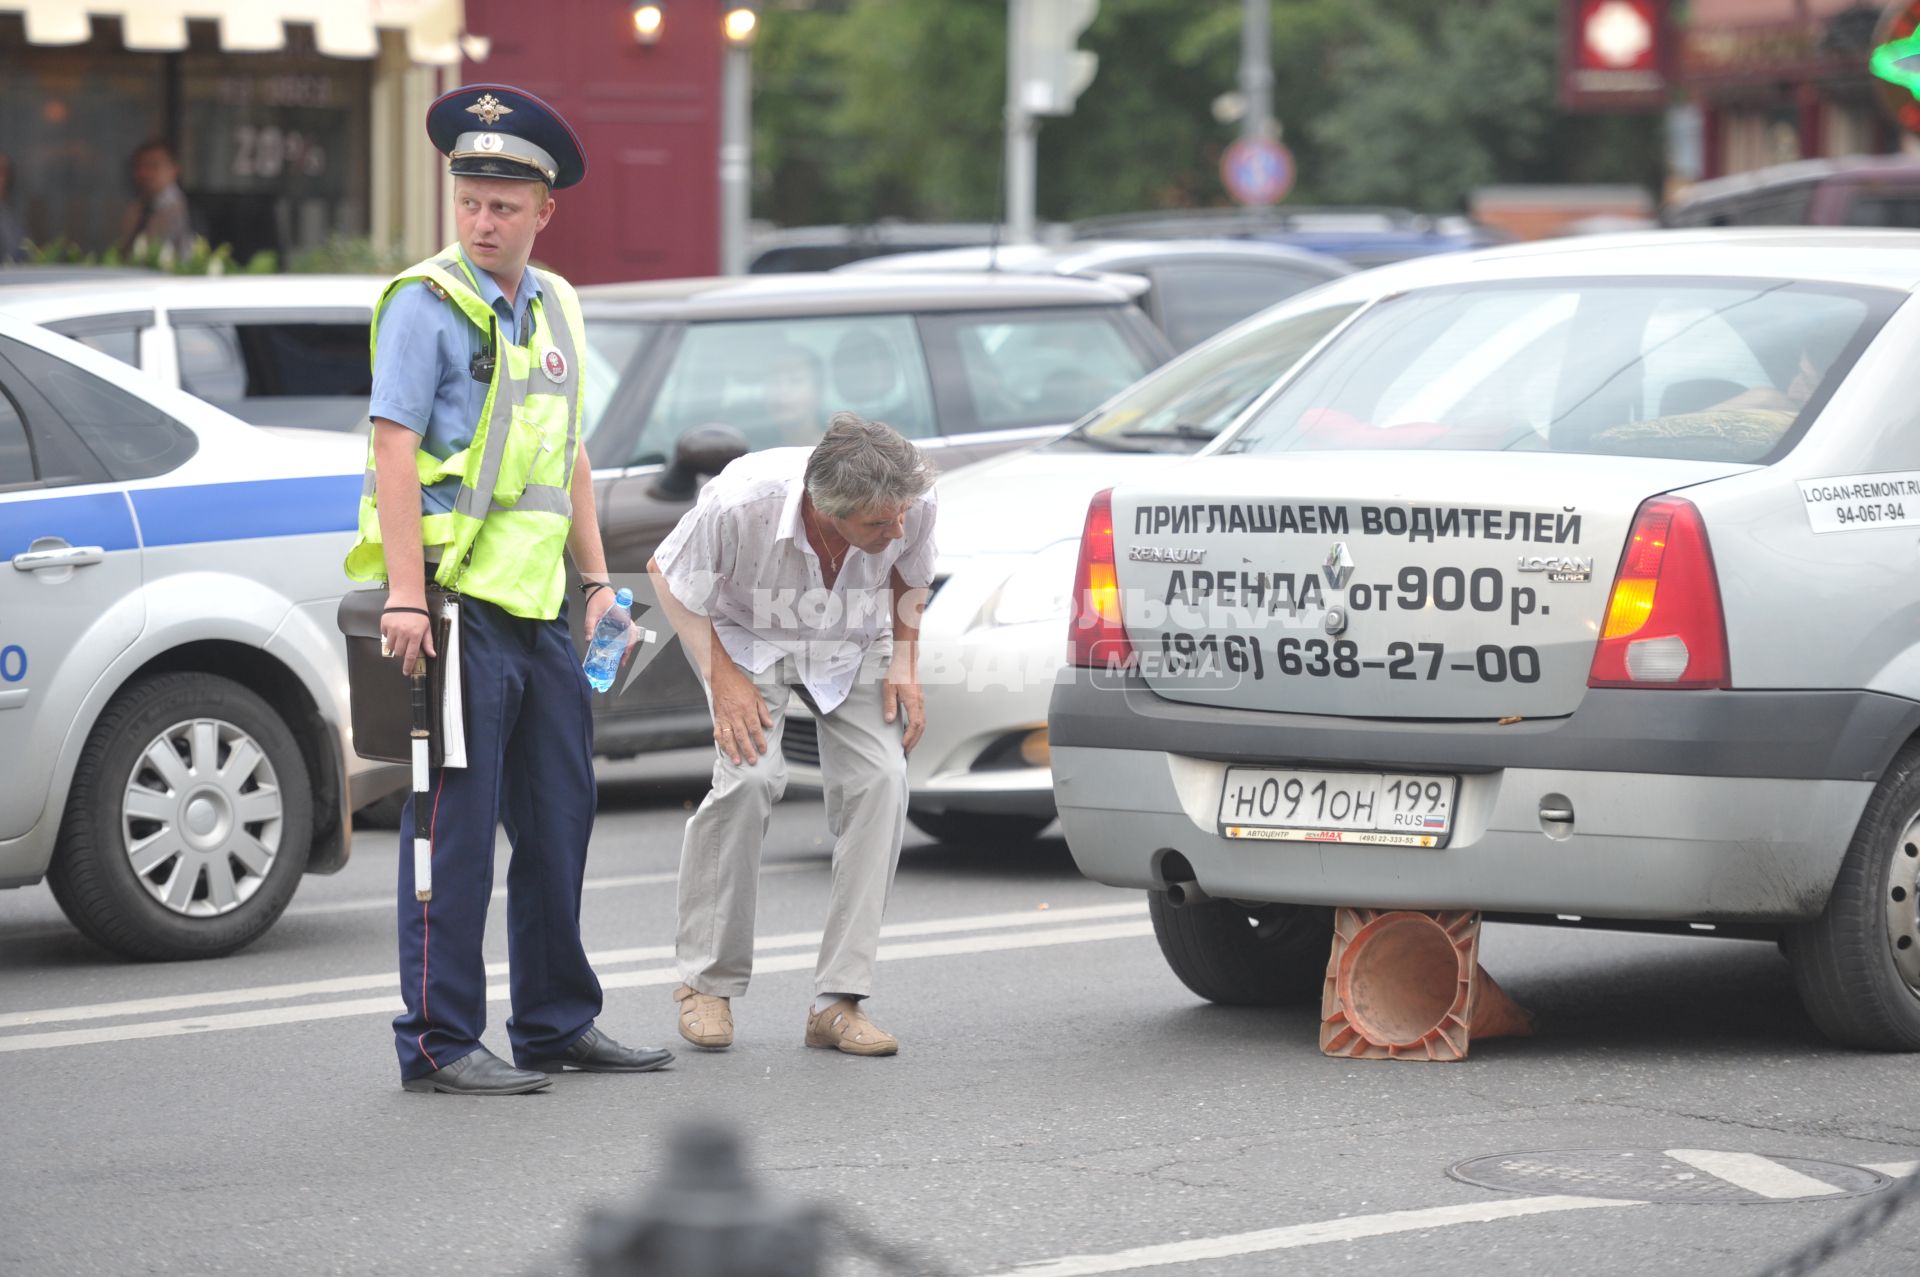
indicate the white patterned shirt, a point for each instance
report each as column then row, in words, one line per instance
column 741, row 558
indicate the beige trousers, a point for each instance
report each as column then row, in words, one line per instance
column 864, row 772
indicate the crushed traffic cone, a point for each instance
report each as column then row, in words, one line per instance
column 1407, row 985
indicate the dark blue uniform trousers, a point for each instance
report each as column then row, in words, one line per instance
column 530, row 768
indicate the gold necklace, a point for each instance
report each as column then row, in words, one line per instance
column 833, row 560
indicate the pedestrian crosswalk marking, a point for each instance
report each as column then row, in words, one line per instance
column 1033, row 930
column 600, row 958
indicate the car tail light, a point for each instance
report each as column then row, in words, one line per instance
column 1664, row 626
column 1095, row 636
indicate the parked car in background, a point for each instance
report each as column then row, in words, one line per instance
column 1570, row 583
column 812, row 248
column 173, row 711
column 1361, row 236
column 1851, row 190
column 693, row 373
column 1195, row 287
column 276, row 350
column 1009, row 535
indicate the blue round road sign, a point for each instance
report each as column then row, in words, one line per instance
column 1257, row 171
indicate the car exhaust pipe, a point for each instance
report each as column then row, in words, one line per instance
column 1185, row 893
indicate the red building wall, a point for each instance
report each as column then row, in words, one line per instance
column 649, row 117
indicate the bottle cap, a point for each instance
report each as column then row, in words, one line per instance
column 623, row 597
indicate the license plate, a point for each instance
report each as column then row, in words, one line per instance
column 1353, row 807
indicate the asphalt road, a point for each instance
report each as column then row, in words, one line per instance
column 1059, row 1094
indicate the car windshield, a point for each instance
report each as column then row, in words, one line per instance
column 779, row 381
column 613, row 347
column 1707, row 370
column 1193, row 399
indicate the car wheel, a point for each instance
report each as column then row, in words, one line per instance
column 1245, row 955
column 189, row 821
column 1857, row 965
column 977, row 826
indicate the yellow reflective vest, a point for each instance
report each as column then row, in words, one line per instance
column 505, row 538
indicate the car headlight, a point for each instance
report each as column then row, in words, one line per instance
column 1041, row 589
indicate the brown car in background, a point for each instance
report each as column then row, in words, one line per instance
column 1852, row 190
column 685, row 375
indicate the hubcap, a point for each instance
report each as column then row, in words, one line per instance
column 201, row 818
column 1903, row 904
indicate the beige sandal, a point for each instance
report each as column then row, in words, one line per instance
column 845, row 1027
column 705, row 1020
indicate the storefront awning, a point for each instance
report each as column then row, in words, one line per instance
column 341, row 28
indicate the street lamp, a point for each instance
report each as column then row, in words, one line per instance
column 739, row 25
column 648, row 19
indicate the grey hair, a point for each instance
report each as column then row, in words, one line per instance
column 859, row 464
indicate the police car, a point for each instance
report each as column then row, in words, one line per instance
column 275, row 350
column 173, row 697
column 1573, row 582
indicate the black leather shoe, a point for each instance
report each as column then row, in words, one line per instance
column 595, row 1052
column 479, row 1072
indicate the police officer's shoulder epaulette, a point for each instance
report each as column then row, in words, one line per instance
column 434, row 288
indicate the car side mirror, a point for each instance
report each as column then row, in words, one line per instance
column 702, row 451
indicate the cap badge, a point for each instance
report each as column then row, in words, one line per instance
column 489, row 142
column 490, row 108
column 555, row 366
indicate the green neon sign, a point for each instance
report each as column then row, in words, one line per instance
column 1898, row 63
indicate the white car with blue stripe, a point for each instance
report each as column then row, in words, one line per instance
column 173, row 691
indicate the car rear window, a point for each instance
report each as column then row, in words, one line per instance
column 1185, row 404
column 129, row 437
column 281, row 373
column 1707, row 370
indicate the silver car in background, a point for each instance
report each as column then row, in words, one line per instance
column 1573, row 582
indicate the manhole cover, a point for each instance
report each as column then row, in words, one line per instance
column 1688, row 1176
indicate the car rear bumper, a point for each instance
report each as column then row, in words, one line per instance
column 1667, row 824
column 1775, row 735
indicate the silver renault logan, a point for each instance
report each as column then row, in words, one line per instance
column 1575, row 582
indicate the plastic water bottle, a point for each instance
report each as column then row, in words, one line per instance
column 609, row 642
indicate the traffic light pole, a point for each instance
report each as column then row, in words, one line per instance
column 1256, row 69
column 736, row 157
column 1022, row 130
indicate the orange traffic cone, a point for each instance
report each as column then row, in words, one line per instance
column 1407, row 985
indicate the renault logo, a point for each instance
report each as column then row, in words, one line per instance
column 1339, row 566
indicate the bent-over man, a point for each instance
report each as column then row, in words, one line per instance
column 801, row 570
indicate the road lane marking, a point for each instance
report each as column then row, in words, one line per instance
column 368, row 904
column 1041, row 937
column 607, row 957
column 1899, row 1170
column 1352, row 1228
column 1758, row 1175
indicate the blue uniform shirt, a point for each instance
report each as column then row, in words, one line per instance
column 422, row 375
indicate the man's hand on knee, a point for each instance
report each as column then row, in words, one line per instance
column 901, row 697
column 740, row 716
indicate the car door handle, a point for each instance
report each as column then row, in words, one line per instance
column 69, row 556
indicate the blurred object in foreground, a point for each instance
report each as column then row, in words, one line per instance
column 705, row 1219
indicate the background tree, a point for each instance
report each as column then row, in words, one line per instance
column 876, row 108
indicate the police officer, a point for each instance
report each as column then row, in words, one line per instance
column 476, row 475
